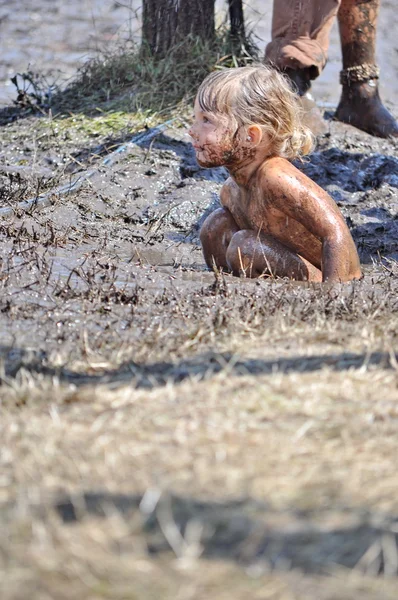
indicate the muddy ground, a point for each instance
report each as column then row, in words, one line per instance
column 128, row 235
column 168, row 432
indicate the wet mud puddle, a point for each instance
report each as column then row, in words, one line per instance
column 144, row 211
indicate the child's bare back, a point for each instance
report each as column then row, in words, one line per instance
column 274, row 220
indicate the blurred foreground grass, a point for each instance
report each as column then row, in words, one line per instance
column 265, row 469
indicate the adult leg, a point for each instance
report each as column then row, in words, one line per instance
column 299, row 46
column 300, row 38
column 215, row 236
column 360, row 103
column 252, row 255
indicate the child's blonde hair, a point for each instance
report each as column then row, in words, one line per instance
column 259, row 95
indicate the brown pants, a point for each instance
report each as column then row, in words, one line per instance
column 300, row 34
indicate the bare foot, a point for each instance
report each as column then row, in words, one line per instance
column 360, row 106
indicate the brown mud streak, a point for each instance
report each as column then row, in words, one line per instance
column 357, row 21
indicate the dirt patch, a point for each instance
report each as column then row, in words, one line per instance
column 128, row 237
column 179, row 432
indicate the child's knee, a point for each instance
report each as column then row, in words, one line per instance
column 219, row 225
column 212, row 223
column 207, row 226
column 240, row 251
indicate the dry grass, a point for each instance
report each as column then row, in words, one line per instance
column 129, row 78
column 248, row 450
column 270, row 472
column 253, row 457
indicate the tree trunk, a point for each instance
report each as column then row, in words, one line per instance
column 165, row 23
column 237, row 20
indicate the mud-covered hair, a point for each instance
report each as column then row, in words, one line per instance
column 259, row 95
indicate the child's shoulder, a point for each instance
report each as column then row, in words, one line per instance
column 279, row 171
column 277, row 165
column 282, row 179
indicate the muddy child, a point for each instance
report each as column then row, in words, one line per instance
column 274, row 220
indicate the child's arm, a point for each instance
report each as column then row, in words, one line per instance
column 297, row 196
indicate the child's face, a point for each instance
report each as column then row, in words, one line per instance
column 212, row 138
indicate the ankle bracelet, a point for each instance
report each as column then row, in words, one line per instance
column 359, row 73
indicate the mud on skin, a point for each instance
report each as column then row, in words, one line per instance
column 227, row 154
column 282, row 216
